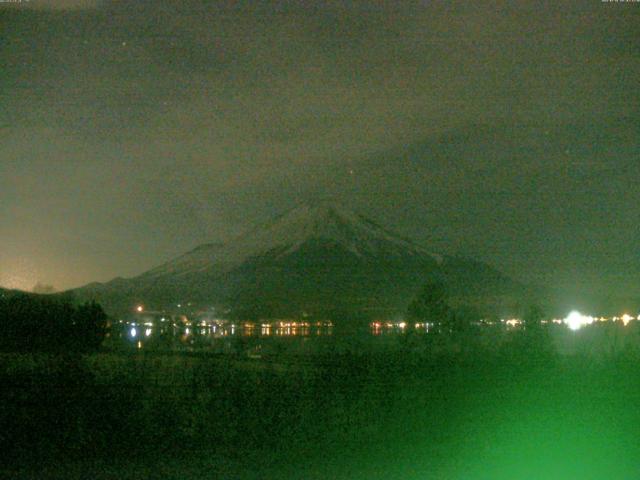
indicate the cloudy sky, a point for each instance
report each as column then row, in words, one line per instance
column 132, row 131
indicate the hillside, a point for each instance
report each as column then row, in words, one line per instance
column 318, row 260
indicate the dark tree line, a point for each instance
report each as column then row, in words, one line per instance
column 531, row 340
column 431, row 305
column 40, row 323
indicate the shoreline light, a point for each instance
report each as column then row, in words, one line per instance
column 626, row 318
column 575, row 320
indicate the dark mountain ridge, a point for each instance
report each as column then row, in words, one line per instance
column 311, row 260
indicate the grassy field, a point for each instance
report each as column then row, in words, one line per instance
column 505, row 414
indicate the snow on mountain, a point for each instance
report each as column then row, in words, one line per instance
column 314, row 258
column 288, row 232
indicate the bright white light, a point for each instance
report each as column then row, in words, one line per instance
column 139, row 308
column 626, row 318
column 576, row 320
column 133, row 332
column 147, row 332
column 402, row 324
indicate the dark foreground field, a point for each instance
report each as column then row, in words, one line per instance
column 472, row 416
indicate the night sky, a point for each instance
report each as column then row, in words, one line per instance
column 132, row 131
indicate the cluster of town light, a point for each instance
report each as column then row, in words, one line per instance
column 221, row 327
column 574, row 321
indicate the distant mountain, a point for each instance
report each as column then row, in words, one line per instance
column 62, row 296
column 7, row 293
column 318, row 259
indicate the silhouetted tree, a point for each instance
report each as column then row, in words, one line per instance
column 43, row 323
column 464, row 319
column 533, row 317
column 91, row 323
column 430, row 305
column 533, row 341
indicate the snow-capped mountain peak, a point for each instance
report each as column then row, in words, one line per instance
column 326, row 222
column 318, row 258
column 288, row 232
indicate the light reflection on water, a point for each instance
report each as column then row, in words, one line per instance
column 202, row 336
column 224, row 337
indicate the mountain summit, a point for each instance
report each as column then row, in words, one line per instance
column 292, row 231
column 314, row 258
column 354, row 232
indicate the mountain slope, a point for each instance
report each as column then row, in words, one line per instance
column 316, row 259
column 287, row 233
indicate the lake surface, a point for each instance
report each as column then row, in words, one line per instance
column 252, row 339
column 301, row 337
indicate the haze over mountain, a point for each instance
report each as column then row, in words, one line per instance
column 315, row 259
